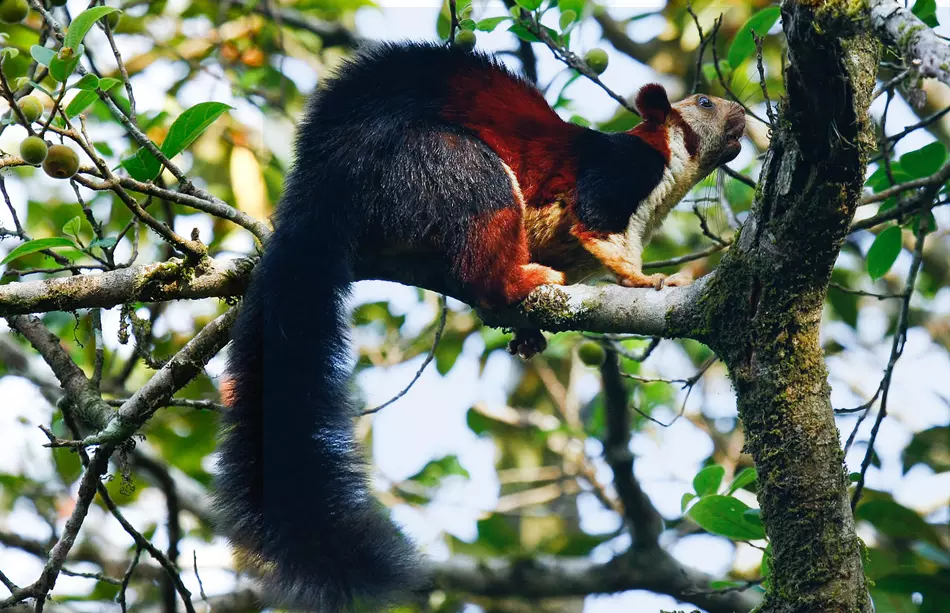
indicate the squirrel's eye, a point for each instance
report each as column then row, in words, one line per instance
column 705, row 102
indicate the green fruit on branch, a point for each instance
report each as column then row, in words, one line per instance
column 33, row 150
column 597, row 60
column 61, row 162
column 31, row 107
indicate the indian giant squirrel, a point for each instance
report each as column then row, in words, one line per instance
column 430, row 154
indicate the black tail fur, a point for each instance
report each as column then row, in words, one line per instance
column 376, row 164
column 292, row 493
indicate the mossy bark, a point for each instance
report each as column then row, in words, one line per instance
column 761, row 313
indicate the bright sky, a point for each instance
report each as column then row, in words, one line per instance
column 429, row 422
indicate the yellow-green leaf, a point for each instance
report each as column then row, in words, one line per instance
column 38, row 244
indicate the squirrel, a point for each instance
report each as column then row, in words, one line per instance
column 418, row 155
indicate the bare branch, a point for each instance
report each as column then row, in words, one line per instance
column 920, row 46
column 643, row 519
column 443, row 312
column 155, row 282
column 79, row 389
column 179, row 371
column 653, row 570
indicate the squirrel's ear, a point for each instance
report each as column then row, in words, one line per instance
column 652, row 103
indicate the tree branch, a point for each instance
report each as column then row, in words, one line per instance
column 160, row 281
column 545, row 577
column 643, row 519
column 79, row 389
column 917, row 42
column 605, row 308
column 179, row 371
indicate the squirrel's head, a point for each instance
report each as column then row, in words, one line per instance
column 706, row 128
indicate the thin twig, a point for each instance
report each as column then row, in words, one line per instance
column 722, row 79
column 443, row 308
column 765, row 88
column 571, row 59
column 703, row 42
column 120, row 597
column 897, row 347
column 453, row 20
column 861, row 292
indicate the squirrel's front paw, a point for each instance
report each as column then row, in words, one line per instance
column 657, row 281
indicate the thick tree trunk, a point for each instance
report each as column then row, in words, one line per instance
column 762, row 310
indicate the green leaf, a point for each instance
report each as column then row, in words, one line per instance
column 108, row 83
column 448, row 352
column 685, row 500
column 184, row 131
column 467, row 24
column 73, row 226
column 80, row 102
column 883, row 252
column 743, row 45
column 926, row 11
column 566, row 20
column 490, row 23
column 38, row 244
column 190, row 125
column 106, row 242
column 436, row 470
column 754, row 516
column 709, row 71
column 929, row 447
column 62, row 66
column 139, row 167
column 8, row 52
column 895, row 520
column 924, row 161
column 744, row 478
column 42, row 55
column 879, row 180
column 724, row 585
column 708, row 480
column 523, row 33
column 83, row 21
column 571, row 5
column 529, row 5
column 88, row 82
column 723, row 515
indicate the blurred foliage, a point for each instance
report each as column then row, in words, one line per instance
column 260, row 66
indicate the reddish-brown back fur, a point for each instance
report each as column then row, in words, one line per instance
column 513, row 118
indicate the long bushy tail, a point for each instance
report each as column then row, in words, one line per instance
column 292, row 492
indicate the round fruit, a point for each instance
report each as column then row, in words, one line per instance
column 33, row 150
column 61, row 162
column 31, row 107
column 13, row 11
column 592, row 353
column 253, row 57
column 465, row 40
column 597, row 60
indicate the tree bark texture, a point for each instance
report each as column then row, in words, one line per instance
column 762, row 311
